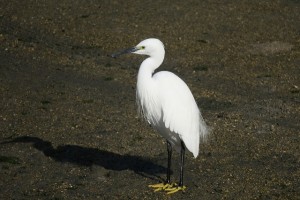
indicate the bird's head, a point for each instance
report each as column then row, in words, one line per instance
column 150, row 47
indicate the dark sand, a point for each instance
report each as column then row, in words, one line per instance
column 69, row 125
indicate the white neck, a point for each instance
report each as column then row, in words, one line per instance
column 146, row 85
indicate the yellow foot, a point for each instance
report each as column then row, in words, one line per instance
column 174, row 189
column 169, row 188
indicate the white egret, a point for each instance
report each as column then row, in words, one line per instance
column 168, row 105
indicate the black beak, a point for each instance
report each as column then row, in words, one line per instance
column 130, row 50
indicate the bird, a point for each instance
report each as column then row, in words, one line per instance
column 168, row 105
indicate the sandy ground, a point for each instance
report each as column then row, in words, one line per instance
column 69, row 125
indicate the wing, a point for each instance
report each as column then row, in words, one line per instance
column 180, row 111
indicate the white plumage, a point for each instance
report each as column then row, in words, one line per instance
column 166, row 101
column 168, row 105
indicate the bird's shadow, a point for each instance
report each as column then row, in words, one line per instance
column 84, row 156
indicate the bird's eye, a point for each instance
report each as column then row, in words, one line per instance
column 143, row 47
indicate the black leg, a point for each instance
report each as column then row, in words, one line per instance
column 169, row 147
column 181, row 164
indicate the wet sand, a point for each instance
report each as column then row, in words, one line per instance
column 69, row 125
